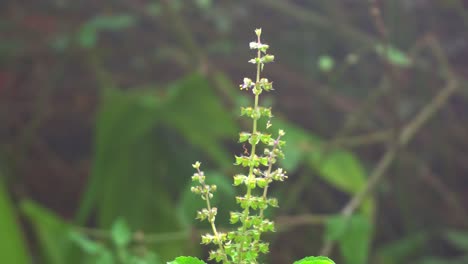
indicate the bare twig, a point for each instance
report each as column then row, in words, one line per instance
column 405, row 136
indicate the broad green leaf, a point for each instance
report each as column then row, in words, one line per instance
column 186, row 260
column 121, row 234
column 12, row 244
column 353, row 235
column 340, row 168
column 223, row 199
column 135, row 158
column 198, row 114
column 52, row 233
column 393, row 55
column 315, row 260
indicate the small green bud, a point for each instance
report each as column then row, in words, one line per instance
column 254, row 139
column 239, row 179
column 244, row 136
column 273, row 202
column 262, row 182
column 267, row 58
column 251, row 183
column 196, row 165
column 264, row 161
column 258, row 32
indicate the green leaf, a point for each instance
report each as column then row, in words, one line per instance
column 458, row 238
column 340, row 168
column 134, row 163
column 353, row 235
column 402, row 250
column 326, row 63
column 87, row 245
column 315, row 260
column 121, row 234
column 88, row 33
column 197, row 113
column 12, row 245
column 52, row 233
column 299, row 144
column 186, row 260
column 393, row 55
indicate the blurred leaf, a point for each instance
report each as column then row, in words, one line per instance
column 186, row 260
column 154, row 8
column 315, row 260
column 299, row 144
column 458, row 238
column 402, row 250
column 133, row 161
column 353, row 235
column 88, row 33
column 393, row 55
column 443, row 260
column 223, row 199
column 121, row 234
column 197, row 113
column 52, row 233
column 340, row 168
column 12, row 244
column 326, row 63
column 87, row 245
column 204, row 4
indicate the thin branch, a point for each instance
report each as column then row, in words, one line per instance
column 404, row 138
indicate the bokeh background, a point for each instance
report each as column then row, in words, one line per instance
column 104, row 106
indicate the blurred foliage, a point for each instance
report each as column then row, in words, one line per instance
column 105, row 104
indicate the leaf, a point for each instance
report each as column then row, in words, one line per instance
column 197, row 113
column 135, row 158
column 340, row 168
column 121, row 234
column 402, row 250
column 52, row 233
column 458, row 238
column 223, row 199
column 315, row 260
column 186, row 260
column 299, row 144
column 12, row 245
column 443, row 260
column 353, row 235
column 326, row 63
column 88, row 33
column 87, row 245
column 393, row 55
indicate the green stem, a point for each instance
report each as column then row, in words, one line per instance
column 252, row 156
column 215, row 231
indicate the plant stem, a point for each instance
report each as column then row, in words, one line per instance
column 215, row 231
column 252, row 154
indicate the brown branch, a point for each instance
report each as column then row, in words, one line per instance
column 405, row 136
